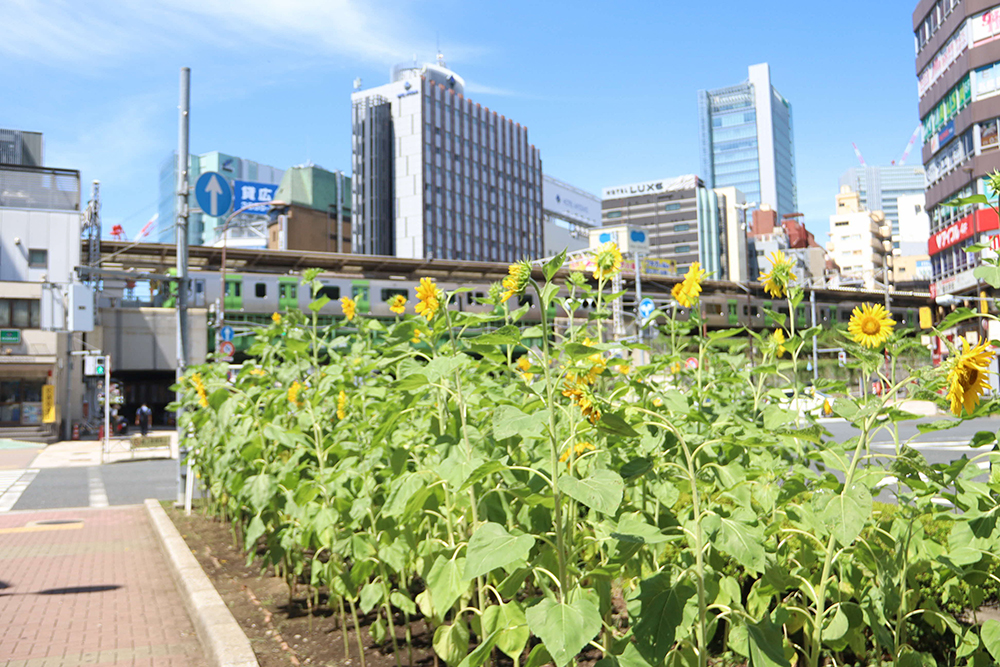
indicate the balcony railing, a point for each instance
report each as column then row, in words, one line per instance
column 42, row 188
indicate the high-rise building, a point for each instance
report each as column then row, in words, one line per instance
column 436, row 175
column 747, row 141
column 685, row 222
column 317, row 214
column 859, row 241
column 203, row 229
column 958, row 72
column 880, row 187
column 568, row 214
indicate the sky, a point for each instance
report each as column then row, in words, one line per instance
column 607, row 90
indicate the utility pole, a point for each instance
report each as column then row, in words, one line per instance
column 812, row 304
column 182, row 260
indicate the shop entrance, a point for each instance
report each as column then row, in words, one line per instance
column 21, row 402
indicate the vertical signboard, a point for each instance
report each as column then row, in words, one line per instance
column 49, row 403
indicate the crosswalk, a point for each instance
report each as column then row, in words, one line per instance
column 12, row 485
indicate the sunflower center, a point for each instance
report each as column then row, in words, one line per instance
column 968, row 378
column 870, row 326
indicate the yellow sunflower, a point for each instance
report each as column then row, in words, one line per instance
column 687, row 291
column 199, row 387
column 293, row 393
column 342, row 404
column 397, row 304
column 777, row 279
column 524, row 364
column 870, row 325
column 607, row 260
column 516, row 281
column 429, row 297
column 968, row 378
column 416, row 336
column 577, row 450
column 349, row 307
column 778, row 338
column 276, row 318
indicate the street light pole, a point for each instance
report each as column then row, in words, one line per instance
column 182, row 260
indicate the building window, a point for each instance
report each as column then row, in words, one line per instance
column 682, row 227
column 682, row 249
column 615, row 214
column 20, row 313
column 672, row 207
column 38, row 259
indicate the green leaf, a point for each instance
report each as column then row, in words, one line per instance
column 254, row 531
column 743, row 542
column 564, row 628
column 509, row 421
column 965, row 201
column 371, row 595
column 910, row 658
column 508, row 621
column 847, row 512
column 579, row 350
column 260, row 489
column 218, row 397
column 482, row 652
column 636, row 468
column 538, row 657
column 445, row 583
column 491, row 546
column 938, row 425
column 505, row 335
column 317, row 304
column 766, row 645
column 600, row 491
column 614, row 423
column 988, row 273
column 633, row 528
column 990, row 634
column 775, row 417
column 552, row 266
column 451, row 642
column 412, row 382
column 440, row 367
column 662, row 613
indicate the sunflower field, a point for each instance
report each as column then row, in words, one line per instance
column 544, row 497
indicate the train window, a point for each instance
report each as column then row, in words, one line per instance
column 845, row 315
column 288, row 291
column 390, row 292
column 755, row 311
column 260, row 290
column 527, row 300
column 746, row 309
column 234, row 288
column 331, row 292
column 199, row 286
column 474, row 297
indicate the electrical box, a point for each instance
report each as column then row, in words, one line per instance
column 95, row 365
column 80, row 313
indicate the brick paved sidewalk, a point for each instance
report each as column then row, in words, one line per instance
column 89, row 593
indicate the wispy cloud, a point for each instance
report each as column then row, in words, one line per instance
column 102, row 33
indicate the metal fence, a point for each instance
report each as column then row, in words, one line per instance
column 39, row 188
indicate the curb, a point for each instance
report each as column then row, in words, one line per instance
column 225, row 643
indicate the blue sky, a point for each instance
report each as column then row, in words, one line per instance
column 607, row 90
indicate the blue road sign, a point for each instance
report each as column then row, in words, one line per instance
column 646, row 308
column 226, row 333
column 213, row 194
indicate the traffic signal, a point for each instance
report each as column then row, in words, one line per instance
column 95, row 365
column 99, row 368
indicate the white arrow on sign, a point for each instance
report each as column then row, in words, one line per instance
column 213, row 188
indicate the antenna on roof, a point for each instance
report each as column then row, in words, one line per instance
column 357, row 83
column 440, row 56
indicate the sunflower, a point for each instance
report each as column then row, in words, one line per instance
column 397, row 304
column 293, row 394
column 429, row 297
column 577, row 450
column 686, row 292
column 516, row 281
column 968, row 378
column 524, row 364
column 417, row 333
column 870, row 325
column 350, row 308
column 778, row 338
column 607, row 261
column 199, row 387
column 342, row 404
column 776, row 281
column 276, row 318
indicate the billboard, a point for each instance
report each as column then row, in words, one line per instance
column 651, row 187
column 564, row 201
column 248, row 192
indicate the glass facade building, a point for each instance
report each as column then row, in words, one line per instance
column 881, row 187
column 747, row 141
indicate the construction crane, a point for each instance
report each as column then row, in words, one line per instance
column 858, row 153
column 909, row 146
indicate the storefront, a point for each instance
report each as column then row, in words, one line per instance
column 21, row 392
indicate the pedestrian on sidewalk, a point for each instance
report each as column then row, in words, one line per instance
column 144, row 419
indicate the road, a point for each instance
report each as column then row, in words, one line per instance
column 937, row 446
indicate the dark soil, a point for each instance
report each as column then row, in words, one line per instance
column 282, row 631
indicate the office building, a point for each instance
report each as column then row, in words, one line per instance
column 958, row 68
column 686, row 222
column 880, row 187
column 747, row 141
column 260, row 179
column 568, row 213
column 40, row 230
column 860, row 242
column 436, row 175
column 318, row 204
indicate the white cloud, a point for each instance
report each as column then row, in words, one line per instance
column 104, row 33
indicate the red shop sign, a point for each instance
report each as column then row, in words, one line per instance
column 979, row 221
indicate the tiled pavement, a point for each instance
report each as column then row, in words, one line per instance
column 89, row 587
